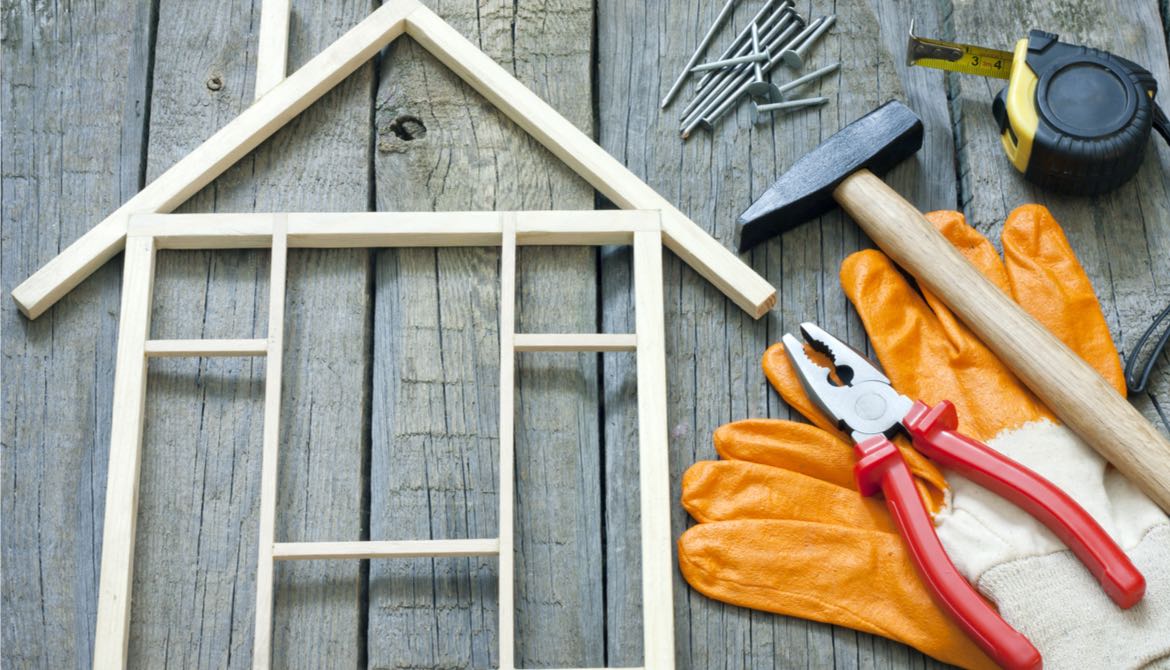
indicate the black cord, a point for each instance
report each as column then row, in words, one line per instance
column 1161, row 123
column 1135, row 382
column 1136, row 375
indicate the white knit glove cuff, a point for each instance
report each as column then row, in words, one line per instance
column 1055, row 602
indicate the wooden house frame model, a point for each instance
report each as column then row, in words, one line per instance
column 142, row 226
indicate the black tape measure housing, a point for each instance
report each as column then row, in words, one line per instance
column 1095, row 111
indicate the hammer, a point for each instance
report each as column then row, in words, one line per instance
column 842, row 171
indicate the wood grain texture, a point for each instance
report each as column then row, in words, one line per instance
column 196, row 562
column 441, row 146
column 121, row 514
column 1122, row 238
column 236, row 137
column 272, row 45
column 270, row 442
column 577, row 150
column 712, row 353
column 73, row 94
column 73, row 105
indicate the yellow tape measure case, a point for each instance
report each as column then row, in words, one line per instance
column 1072, row 118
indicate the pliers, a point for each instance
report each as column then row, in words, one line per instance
column 866, row 406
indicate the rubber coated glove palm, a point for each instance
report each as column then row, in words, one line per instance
column 1038, row 586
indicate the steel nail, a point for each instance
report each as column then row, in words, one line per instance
column 783, row 12
column 772, row 42
column 762, row 110
column 760, row 90
column 811, row 76
column 794, row 58
column 708, row 116
column 810, row 28
column 734, row 83
column 722, row 17
column 792, row 104
column 727, row 62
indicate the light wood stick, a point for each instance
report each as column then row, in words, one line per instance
column 272, row 45
column 117, row 576
column 300, row 551
column 604, row 172
column 575, row 342
column 270, row 449
column 176, row 348
column 657, row 563
column 1070, row 387
column 197, row 169
column 507, row 562
column 393, row 229
column 583, row 227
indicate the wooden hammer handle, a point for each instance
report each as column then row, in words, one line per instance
column 1070, row 387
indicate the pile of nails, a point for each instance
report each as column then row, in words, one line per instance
column 775, row 35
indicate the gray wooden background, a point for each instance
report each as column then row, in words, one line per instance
column 390, row 392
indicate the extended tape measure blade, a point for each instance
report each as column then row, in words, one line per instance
column 956, row 57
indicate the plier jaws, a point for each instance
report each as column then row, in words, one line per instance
column 866, row 405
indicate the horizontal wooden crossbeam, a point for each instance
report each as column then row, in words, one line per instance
column 393, row 229
column 301, row 551
column 176, row 348
column 575, row 341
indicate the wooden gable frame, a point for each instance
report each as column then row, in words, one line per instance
column 141, row 226
column 292, row 95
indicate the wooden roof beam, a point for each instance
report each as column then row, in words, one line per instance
column 302, row 88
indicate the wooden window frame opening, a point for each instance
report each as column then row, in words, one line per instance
column 148, row 233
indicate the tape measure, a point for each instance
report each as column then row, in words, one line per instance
column 1071, row 118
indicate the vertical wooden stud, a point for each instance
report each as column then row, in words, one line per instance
column 272, row 45
column 265, row 565
column 657, row 563
column 117, row 576
column 507, row 442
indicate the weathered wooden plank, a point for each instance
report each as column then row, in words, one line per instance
column 1122, row 238
column 194, row 592
column 72, row 99
column 713, row 353
column 441, row 146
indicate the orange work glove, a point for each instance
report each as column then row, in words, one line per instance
column 782, row 508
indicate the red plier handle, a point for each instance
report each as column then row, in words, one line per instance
column 932, row 430
column 880, row 466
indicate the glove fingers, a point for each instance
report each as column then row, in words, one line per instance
column 933, row 357
column 728, row 490
column 788, row 445
column 973, row 245
column 855, row 578
column 1050, row 284
column 1013, row 404
column 815, row 453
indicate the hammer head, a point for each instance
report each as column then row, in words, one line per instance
column 877, row 141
